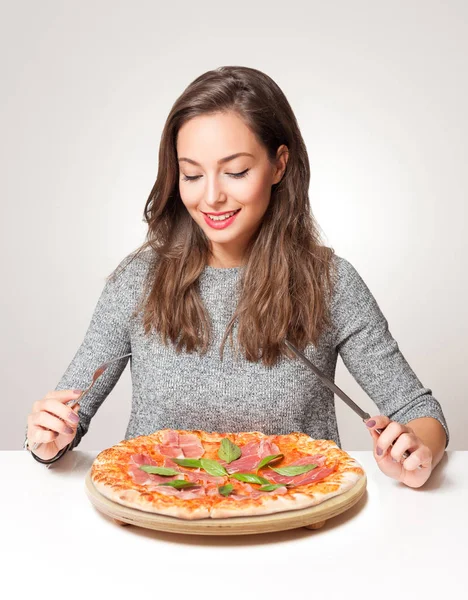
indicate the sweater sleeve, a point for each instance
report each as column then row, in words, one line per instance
column 371, row 354
column 107, row 337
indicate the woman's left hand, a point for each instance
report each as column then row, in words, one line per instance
column 388, row 457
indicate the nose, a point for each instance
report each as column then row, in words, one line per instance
column 214, row 193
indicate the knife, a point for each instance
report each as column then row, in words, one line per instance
column 330, row 385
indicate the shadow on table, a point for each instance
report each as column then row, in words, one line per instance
column 242, row 540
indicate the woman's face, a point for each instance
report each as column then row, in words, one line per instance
column 225, row 181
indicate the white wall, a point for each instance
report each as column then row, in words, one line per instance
column 380, row 93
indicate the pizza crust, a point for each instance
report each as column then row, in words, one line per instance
column 272, row 504
column 135, row 499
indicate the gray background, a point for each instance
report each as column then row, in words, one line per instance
column 380, row 93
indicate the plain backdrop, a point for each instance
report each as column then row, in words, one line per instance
column 380, row 93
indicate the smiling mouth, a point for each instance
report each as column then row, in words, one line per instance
column 222, row 217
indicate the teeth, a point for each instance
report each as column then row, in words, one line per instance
column 222, row 217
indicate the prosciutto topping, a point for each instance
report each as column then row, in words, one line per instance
column 244, row 491
column 177, row 445
column 310, row 477
column 151, row 480
column 194, row 475
column 141, row 477
column 252, row 454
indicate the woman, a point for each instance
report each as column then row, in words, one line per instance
column 233, row 252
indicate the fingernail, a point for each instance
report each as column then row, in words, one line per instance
column 370, row 423
column 379, row 451
column 68, row 429
column 73, row 417
column 77, row 391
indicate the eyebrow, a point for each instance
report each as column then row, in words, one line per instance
column 221, row 160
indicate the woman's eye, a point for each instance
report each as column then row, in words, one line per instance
column 235, row 175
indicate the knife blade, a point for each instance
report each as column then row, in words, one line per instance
column 334, row 388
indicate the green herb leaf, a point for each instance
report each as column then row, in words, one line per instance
column 213, row 467
column 187, row 462
column 225, row 490
column 269, row 459
column 250, row 478
column 228, row 451
column 294, row 469
column 166, row 471
column 179, row 484
column 271, row 487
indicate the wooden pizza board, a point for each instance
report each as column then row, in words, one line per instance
column 311, row 518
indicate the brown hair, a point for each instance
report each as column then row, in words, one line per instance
column 286, row 283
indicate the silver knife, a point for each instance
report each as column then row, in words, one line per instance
column 330, row 385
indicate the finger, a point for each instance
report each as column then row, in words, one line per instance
column 39, row 435
column 389, row 436
column 63, row 395
column 406, row 442
column 420, row 457
column 45, row 419
column 378, row 422
column 56, row 408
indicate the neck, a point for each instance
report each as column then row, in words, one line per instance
column 221, row 258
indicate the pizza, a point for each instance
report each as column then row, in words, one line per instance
column 198, row 474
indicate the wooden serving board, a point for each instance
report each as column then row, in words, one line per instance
column 311, row 518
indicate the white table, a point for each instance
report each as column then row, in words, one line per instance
column 396, row 541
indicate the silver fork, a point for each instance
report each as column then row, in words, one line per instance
column 97, row 373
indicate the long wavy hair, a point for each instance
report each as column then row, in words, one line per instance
column 285, row 287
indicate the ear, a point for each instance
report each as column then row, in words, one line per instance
column 282, row 156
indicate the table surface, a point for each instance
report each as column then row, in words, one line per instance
column 394, row 542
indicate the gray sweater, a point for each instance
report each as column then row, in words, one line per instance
column 189, row 391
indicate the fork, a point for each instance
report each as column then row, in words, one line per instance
column 97, row 373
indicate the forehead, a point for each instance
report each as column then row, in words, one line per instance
column 207, row 138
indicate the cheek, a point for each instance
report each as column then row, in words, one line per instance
column 189, row 198
column 254, row 195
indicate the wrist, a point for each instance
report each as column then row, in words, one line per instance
column 59, row 454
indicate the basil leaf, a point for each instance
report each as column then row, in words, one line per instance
column 187, row 462
column 268, row 459
column 294, row 469
column 179, row 484
column 166, row 471
column 213, row 467
column 250, row 478
column 228, row 451
column 271, row 487
column 225, row 490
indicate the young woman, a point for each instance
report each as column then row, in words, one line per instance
column 233, row 254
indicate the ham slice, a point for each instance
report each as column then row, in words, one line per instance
column 314, row 475
column 180, row 446
column 245, row 491
column 316, row 459
column 142, row 459
column 310, row 477
column 252, row 454
column 187, row 494
column 194, row 474
column 191, row 446
column 141, row 477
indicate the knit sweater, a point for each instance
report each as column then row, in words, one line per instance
column 191, row 391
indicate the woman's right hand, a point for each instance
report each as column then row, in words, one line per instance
column 52, row 423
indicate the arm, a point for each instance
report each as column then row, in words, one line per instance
column 371, row 354
column 432, row 434
column 107, row 337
